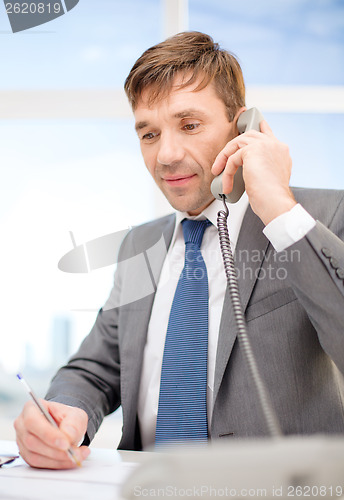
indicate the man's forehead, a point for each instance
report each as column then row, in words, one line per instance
column 153, row 94
column 151, row 97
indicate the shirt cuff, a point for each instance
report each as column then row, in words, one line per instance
column 289, row 227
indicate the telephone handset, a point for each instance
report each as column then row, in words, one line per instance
column 248, row 120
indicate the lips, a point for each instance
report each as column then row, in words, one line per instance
column 179, row 180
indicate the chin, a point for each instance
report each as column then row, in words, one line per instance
column 196, row 206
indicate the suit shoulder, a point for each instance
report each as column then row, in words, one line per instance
column 153, row 226
column 146, row 235
column 322, row 204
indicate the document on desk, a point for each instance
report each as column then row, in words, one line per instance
column 100, row 476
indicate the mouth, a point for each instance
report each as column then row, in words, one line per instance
column 179, row 180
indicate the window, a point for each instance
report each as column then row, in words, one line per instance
column 70, row 160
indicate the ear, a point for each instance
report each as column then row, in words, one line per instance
column 235, row 119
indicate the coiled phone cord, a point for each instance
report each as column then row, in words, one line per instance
column 228, row 261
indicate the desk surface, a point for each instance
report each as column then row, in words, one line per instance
column 281, row 468
column 101, row 476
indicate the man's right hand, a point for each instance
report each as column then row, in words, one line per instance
column 44, row 446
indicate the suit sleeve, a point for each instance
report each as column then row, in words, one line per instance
column 315, row 267
column 91, row 379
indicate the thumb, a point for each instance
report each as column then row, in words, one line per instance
column 75, row 425
column 72, row 422
column 265, row 128
column 74, row 436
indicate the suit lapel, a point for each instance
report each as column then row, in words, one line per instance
column 249, row 254
column 137, row 316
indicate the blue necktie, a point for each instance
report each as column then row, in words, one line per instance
column 182, row 411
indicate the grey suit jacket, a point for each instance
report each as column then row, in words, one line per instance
column 294, row 307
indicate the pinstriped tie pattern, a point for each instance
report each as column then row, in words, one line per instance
column 182, row 411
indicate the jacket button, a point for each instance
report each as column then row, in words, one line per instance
column 326, row 251
column 340, row 273
column 334, row 263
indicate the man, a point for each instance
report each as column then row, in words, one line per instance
column 187, row 94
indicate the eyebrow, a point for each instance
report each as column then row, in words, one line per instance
column 191, row 112
column 140, row 125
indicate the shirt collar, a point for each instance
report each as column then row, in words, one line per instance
column 236, row 214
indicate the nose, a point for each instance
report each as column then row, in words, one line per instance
column 170, row 149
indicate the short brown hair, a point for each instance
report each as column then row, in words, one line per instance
column 190, row 52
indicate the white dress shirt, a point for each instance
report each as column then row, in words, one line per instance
column 172, row 267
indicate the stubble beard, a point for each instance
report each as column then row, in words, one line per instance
column 190, row 202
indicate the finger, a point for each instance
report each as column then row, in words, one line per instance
column 232, row 147
column 41, row 462
column 73, row 422
column 223, row 156
column 31, row 424
column 34, row 459
column 29, row 443
column 40, row 456
column 232, row 165
column 35, row 423
column 265, row 128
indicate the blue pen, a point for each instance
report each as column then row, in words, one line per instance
column 47, row 415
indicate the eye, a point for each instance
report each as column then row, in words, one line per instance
column 149, row 136
column 190, row 127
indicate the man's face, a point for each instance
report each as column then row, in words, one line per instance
column 180, row 137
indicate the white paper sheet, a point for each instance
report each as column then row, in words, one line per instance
column 100, row 477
